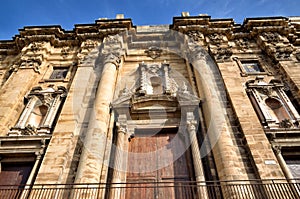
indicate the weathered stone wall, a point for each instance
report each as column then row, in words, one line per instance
column 97, row 75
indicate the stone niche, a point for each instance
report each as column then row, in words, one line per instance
column 41, row 108
column 154, row 79
column 272, row 105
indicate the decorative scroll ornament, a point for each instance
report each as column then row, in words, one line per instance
column 286, row 123
column 112, row 50
column 153, row 52
column 243, row 44
column 35, row 46
column 192, row 125
column 271, row 37
column 65, row 51
column 31, row 62
column 89, row 44
column 222, row 53
column 195, row 35
column 216, row 38
column 196, row 53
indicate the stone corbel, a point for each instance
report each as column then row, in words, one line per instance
column 216, row 39
column 30, row 62
column 243, row 44
column 65, row 51
column 221, row 54
column 196, row 36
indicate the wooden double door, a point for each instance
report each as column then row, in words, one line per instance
column 159, row 166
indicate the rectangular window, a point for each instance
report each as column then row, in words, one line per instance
column 252, row 66
column 59, row 73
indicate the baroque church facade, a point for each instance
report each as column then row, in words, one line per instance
column 201, row 108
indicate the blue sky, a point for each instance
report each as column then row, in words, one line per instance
column 16, row 14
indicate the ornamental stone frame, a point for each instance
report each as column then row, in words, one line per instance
column 40, row 111
column 272, row 105
column 173, row 100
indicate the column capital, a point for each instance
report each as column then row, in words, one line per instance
column 112, row 50
column 277, row 149
column 122, row 124
column 122, row 127
column 190, row 121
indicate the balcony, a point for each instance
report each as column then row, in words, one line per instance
column 262, row 189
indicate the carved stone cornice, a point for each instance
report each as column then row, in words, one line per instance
column 276, row 46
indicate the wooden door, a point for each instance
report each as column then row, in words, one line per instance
column 12, row 177
column 161, row 165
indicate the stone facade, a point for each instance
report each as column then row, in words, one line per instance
column 73, row 103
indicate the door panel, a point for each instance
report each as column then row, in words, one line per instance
column 152, row 158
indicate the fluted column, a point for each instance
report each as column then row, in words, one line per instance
column 91, row 160
column 201, row 185
column 120, row 161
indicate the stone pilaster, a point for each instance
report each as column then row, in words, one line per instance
column 120, row 161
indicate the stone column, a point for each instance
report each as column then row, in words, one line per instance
column 120, row 162
column 201, row 185
column 281, row 161
column 33, row 172
column 286, row 170
column 91, row 160
column 228, row 163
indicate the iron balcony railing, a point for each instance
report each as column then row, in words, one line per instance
column 238, row 189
